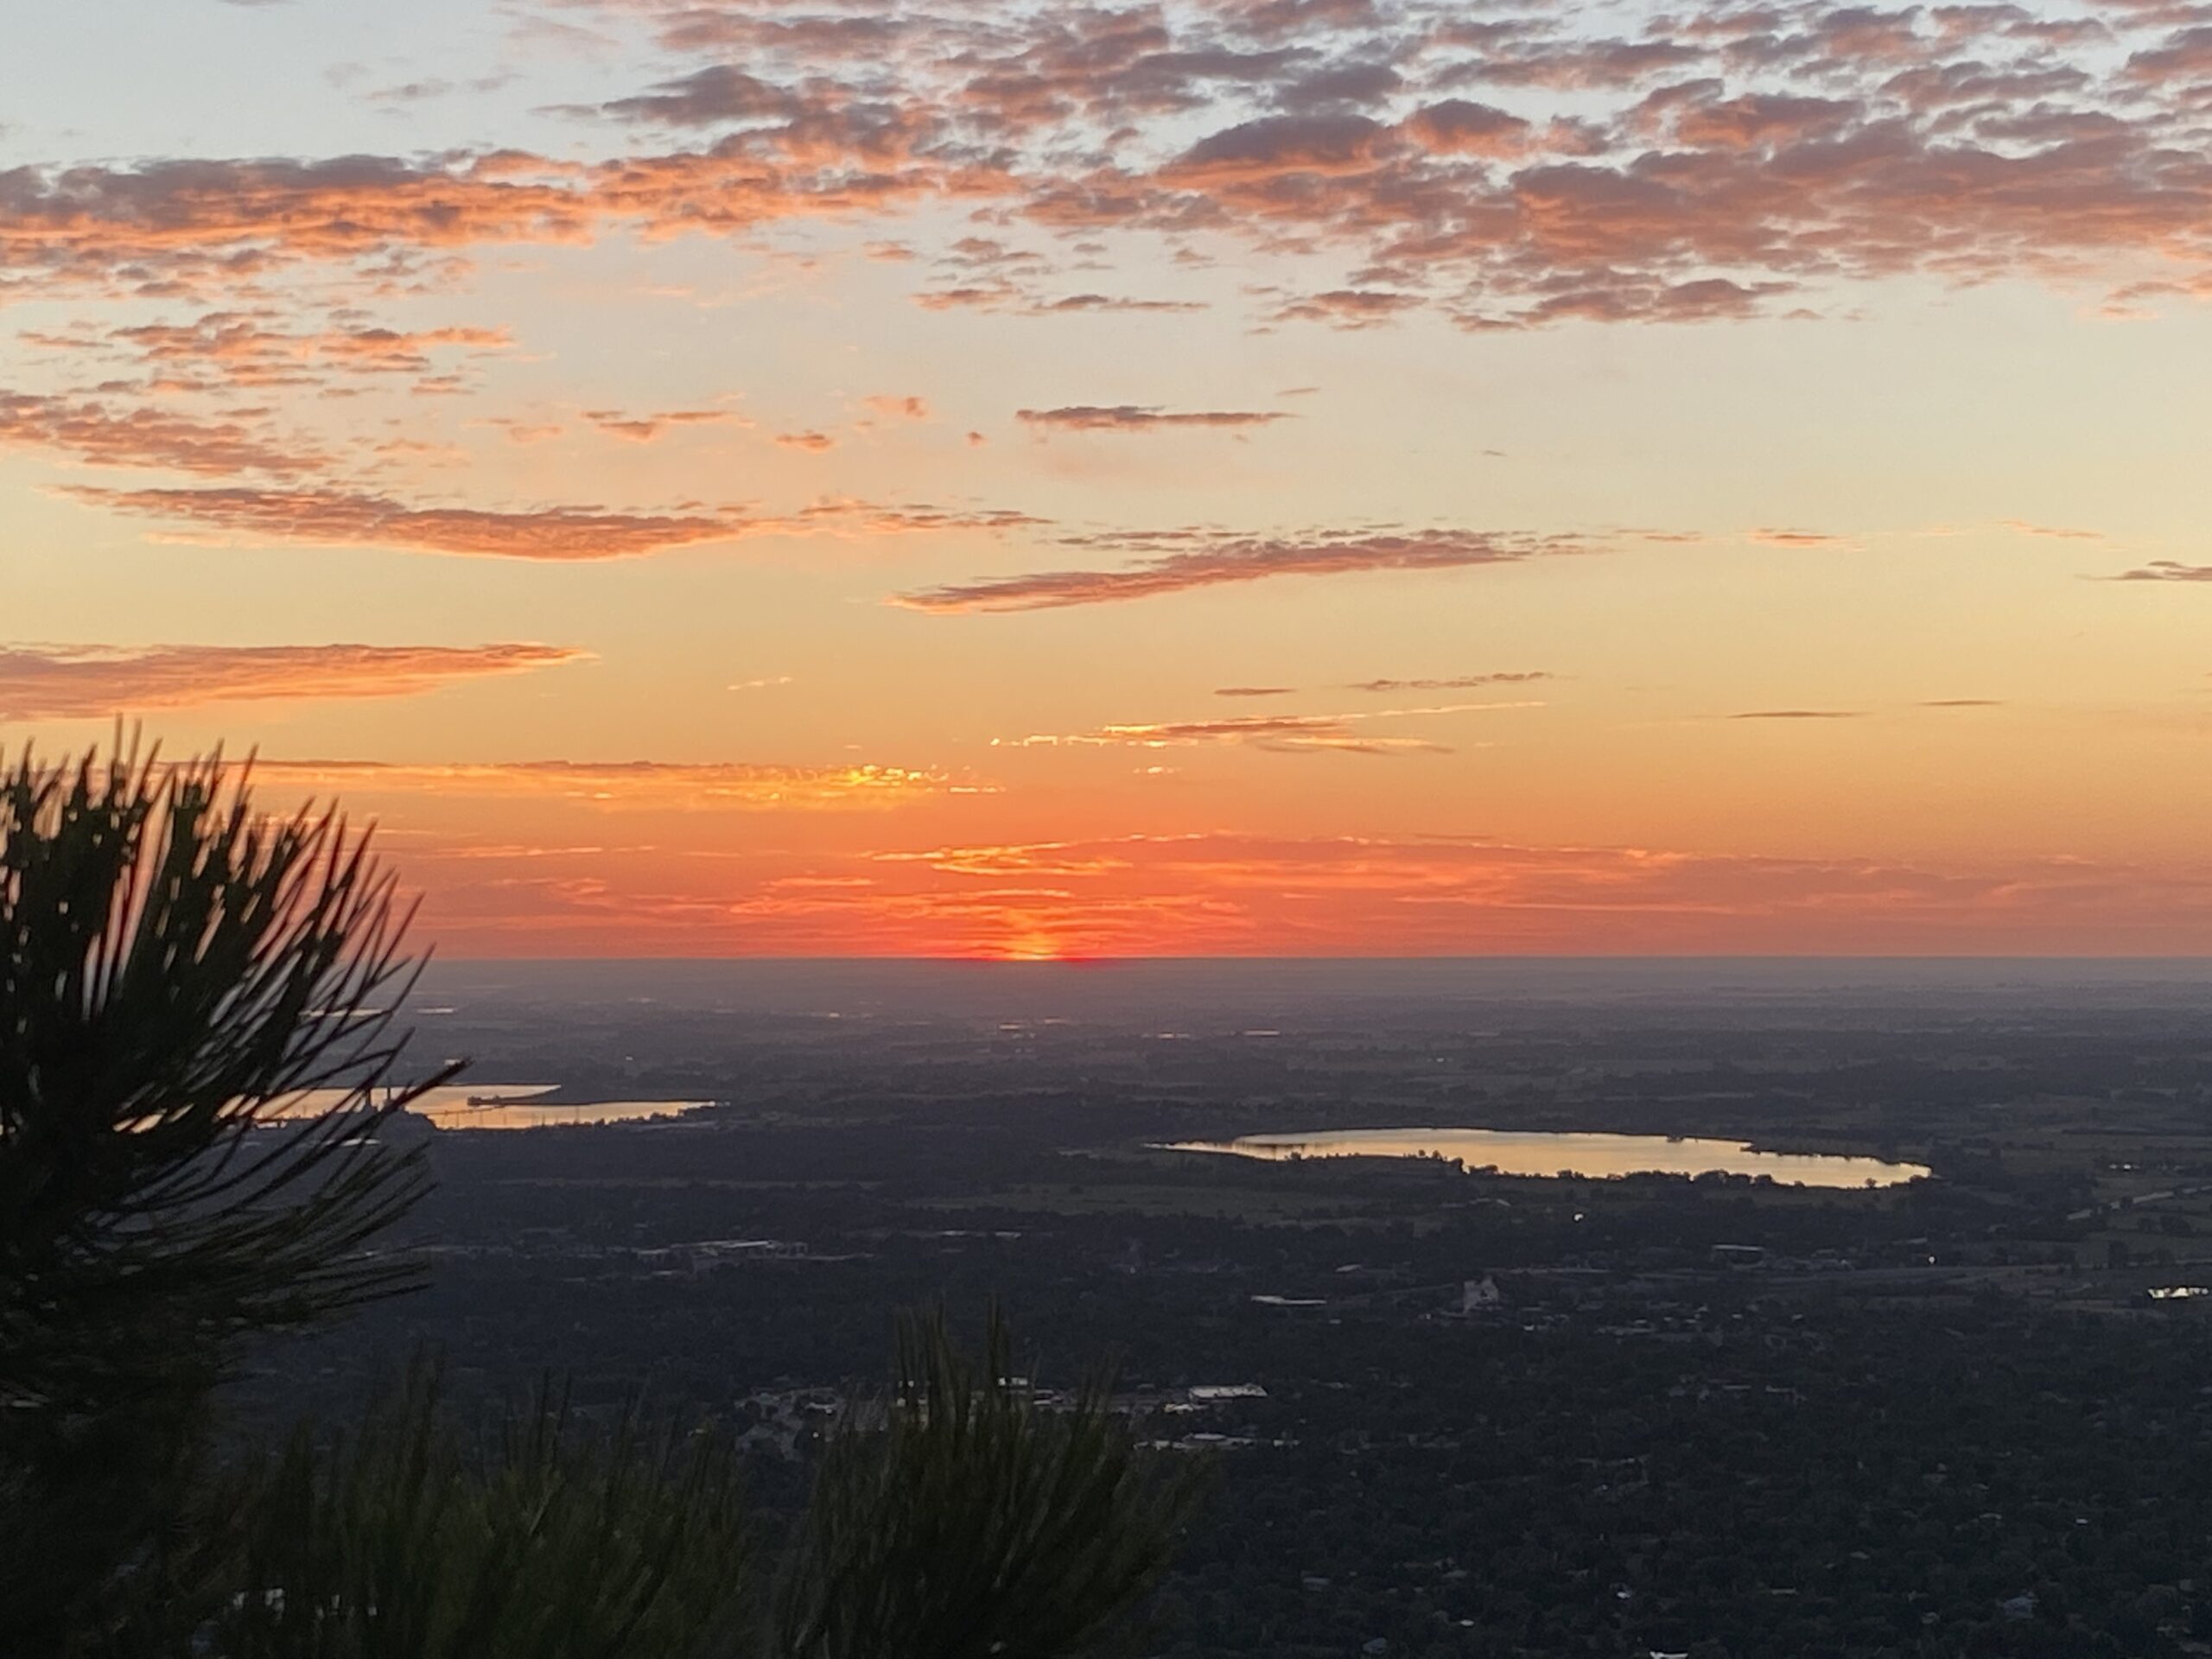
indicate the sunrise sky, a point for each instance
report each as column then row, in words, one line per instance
column 1330, row 477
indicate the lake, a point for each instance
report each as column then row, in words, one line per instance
column 1516, row 1152
column 504, row 1106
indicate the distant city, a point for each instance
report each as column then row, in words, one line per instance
column 1454, row 1408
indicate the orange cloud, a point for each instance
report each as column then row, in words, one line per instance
column 1794, row 538
column 1205, row 559
column 1800, row 714
column 1051, row 858
column 1284, row 734
column 1225, row 894
column 85, row 682
column 145, row 438
column 1704, row 167
column 328, row 517
column 523, row 431
column 644, row 428
column 1264, row 150
column 1458, row 127
column 1348, row 307
column 1084, row 303
column 844, row 517
column 185, row 225
column 205, row 221
column 2021, row 526
column 1457, row 683
column 241, row 349
column 615, row 785
column 1133, row 417
column 2166, row 570
column 717, row 93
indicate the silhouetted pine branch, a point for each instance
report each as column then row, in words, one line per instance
column 968, row 1523
column 174, row 969
column 402, row 1543
column 953, row 1519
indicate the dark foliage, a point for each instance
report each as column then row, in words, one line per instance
column 549, row 1542
column 954, row 1519
column 970, row 1523
column 175, row 974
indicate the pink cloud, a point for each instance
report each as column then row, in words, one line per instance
column 1180, row 561
column 333, row 517
column 1798, row 538
column 338, row 518
column 1800, row 714
column 1459, row 127
column 611, row 785
column 2167, row 570
column 1709, row 165
column 222, row 351
column 644, row 428
column 1232, row 893
column 1134, row 418
column 1284, row 734
column 99, row 682
column 104, row 436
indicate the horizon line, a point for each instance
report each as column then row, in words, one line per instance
column 1079, row 960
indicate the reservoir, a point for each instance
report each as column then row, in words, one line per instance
column 1516, row 1152
column 502, row 1106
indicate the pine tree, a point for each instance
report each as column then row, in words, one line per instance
column 196, row 1052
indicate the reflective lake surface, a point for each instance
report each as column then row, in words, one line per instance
column 507, row 1106
column 1514, row 1152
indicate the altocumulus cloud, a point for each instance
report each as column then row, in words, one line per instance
column 1683, row 168
column 96, row 432
column 94, row 682
column 231, row 349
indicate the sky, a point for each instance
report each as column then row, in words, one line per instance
column 999, row 479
